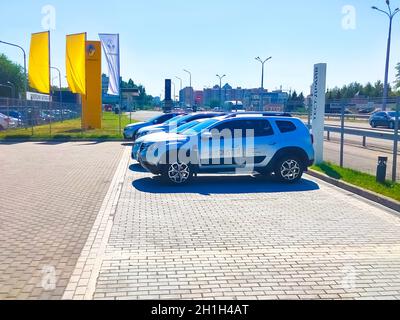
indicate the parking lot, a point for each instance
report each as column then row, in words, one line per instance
column 112, row 231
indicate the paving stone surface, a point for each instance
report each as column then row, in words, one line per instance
column 233, row 237
column 50, row 196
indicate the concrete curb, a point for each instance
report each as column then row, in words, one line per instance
column 370, row 195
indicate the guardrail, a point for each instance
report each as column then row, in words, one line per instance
column 338, row 116
column 361, row 133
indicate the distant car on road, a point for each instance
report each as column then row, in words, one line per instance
column 131, row 129
column 383, row 119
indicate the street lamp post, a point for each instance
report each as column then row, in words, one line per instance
column 173, row 83
column 12, row 89
column 220, row 88
column 25, row 70
column 180, row 79
column 390, row 15
column 191, row 89
column 262, row 81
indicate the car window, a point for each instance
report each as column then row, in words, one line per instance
column 379, row 114
column 261, row 128
column 162, row 119
column 184, row 127
column 286, row 126
column 200, row 127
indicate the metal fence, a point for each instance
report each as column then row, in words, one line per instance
column 352, row 142
column 30, row 117
column 41, row 119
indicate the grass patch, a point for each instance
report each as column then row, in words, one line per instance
column 71, row 129
column 360, row 179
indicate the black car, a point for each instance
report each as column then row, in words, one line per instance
column 383, row 119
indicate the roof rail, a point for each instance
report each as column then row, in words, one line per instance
column 262, row 113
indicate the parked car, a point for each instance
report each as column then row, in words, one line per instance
column 7, row 122
column 131, row 129
column 383, row 119
column 158, row 135
column 176, row 122
column 280, row 146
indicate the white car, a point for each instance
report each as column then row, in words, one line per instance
column 7, row 122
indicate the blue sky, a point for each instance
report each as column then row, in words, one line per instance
column 161, row 38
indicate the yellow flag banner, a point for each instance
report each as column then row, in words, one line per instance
column 76, row 62
column 39, row 62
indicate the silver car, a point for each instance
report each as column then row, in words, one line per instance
column 280, row 146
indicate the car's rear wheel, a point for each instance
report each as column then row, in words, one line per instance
column 177, row 173
column 289, row 169
column 373, row 124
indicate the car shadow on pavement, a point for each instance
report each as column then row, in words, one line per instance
column 208, row 185
column 136, row 167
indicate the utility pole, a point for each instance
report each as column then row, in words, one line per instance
column 390, row 14
column 191, row 89
column 262, row 81
column 220, row 88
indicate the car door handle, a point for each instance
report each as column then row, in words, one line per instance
column 272, row 144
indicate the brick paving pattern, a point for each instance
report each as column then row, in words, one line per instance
column 50, row 195
column 247, row 238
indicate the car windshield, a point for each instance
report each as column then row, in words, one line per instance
column 155, row 118
column 185, row 127
column 392, row 114
column 200, row 127
column 173, row 120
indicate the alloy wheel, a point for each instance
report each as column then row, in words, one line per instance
column 179, row 172
column 290, row 170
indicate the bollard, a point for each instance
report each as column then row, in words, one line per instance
column 381, row 169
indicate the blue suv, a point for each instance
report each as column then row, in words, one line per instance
column 276, row 145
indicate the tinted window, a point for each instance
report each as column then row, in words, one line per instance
column 286, row 126
column 200, row 127
column 380, row 114
column 261, row 128
column 163, row 118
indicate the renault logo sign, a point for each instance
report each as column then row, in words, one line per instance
column 91, row 50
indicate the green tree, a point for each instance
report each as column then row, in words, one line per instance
column 12, row 72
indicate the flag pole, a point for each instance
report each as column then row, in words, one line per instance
column 120, row 87
column 50, row 109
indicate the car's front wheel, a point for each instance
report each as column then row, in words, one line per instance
column 289, row 169
column 177, row 173
column 391, row 125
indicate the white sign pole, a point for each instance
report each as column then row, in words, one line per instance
column 318, row 110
